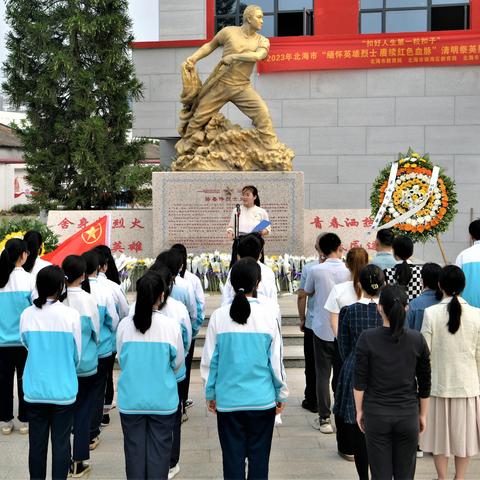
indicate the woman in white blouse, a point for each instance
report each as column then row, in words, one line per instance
column 452, row 331
column 249, row 217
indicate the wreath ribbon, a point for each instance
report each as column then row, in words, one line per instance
column 389, row 193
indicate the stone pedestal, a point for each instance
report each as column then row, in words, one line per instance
column 194, row 208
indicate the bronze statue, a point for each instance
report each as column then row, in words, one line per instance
column 211, row 142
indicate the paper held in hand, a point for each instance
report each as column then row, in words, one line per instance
column 261, row 226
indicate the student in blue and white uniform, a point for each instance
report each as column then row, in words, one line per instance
column 108, row 276
column 108, row 319
column 16, row 287
column 251, row 246
column 469, row 262
column 52, row 333
column 147, row 397
column 34, row 263
column 245, row 381
column 84, row 303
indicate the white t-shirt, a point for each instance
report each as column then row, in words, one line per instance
column 342, row 295
column 248, row 220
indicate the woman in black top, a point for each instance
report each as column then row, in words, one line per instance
column 390, row 362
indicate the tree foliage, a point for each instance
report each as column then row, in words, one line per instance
column 69, row 65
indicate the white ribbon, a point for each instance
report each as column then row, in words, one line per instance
column 411, row 212
column 387, row 197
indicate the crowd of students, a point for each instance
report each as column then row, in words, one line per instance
column 403, row 342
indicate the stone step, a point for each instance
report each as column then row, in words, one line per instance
column 292, row 356
column 291, row 336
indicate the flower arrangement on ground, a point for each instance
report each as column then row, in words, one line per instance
column 414, row 197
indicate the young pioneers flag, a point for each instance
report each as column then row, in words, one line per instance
column 97, row 233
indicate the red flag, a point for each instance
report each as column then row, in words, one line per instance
column 97, row 233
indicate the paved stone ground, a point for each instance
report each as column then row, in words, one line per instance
column 298, row 450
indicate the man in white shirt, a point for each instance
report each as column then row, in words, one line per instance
column 251, row 246
column 320, row 281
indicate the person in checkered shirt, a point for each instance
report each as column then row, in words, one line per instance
column 405, row 273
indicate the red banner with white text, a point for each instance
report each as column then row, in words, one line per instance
column 373, row 51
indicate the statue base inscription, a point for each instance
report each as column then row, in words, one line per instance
column 194, row 208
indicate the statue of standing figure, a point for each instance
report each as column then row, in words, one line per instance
column 209, row 141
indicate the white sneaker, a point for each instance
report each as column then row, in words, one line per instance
column 184, row 418
column 323, row 425
column 7, row 427
column 189, row 403
column 173, row 471
column 23, row 428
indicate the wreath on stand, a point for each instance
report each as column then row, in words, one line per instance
column 414, row 198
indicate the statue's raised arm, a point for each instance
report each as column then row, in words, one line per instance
column 209, row 141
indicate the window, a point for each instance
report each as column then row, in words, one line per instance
column 282, row 18
column 388, row 16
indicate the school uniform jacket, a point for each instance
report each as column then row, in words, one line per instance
column 84, row 303
column 53, row 337
column 176, row 310
column 199, row 295
column 469, row 262
column 242, row 365
column 15, row 297
column 121, row 304
column 150, row 365
column 107, row 314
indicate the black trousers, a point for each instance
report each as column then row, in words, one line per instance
column 392, row 445
column 109, row 390
column 83, row 418
column 147, row 441
column 345, row 440
column 246, row 434
column 310, row 379
column 177, row 430
column 99, row 387
column 359, row 449
column 56, row 420
column 11, row 359
column 184, row 385
column 324, row 355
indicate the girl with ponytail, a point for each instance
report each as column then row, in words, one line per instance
column 392, row 370
column 108, row 321
column 52, row 333
column 452, row 331
column 16, row 286
column 74, row 268
column 151, row 356
column 404, row 273
column 242, row 367
column 34, row 263
column 354, row 319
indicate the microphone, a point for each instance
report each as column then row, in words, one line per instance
column 237, row 206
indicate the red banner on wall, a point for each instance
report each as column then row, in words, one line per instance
column 373, row 51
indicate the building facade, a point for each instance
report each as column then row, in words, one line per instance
column 344, row 122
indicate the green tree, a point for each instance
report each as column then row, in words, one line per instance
column 69, row 65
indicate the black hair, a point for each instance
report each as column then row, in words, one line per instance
column 102, row 258
column 112, row 270
column 452, row 282
column 34, row 241
column 149, row 289
column 250, row 245
column 91, row 261
column 474, row 229
column 430, row 275
column 179, row 247
column 393, row 300
column 172, row 259
column 329, row 243
column 167, row 278
column 254, row 193
column 385, row 237
column 372, row 279
column 244, row 277
column 74, row 266
column 403, row 249
column 9, row 257
column 50, row 283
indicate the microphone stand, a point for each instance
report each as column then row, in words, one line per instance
column 236, row 235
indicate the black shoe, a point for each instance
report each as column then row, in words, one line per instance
column 106, row 420
column 309, row 406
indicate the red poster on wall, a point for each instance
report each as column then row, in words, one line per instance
column 374, row 51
